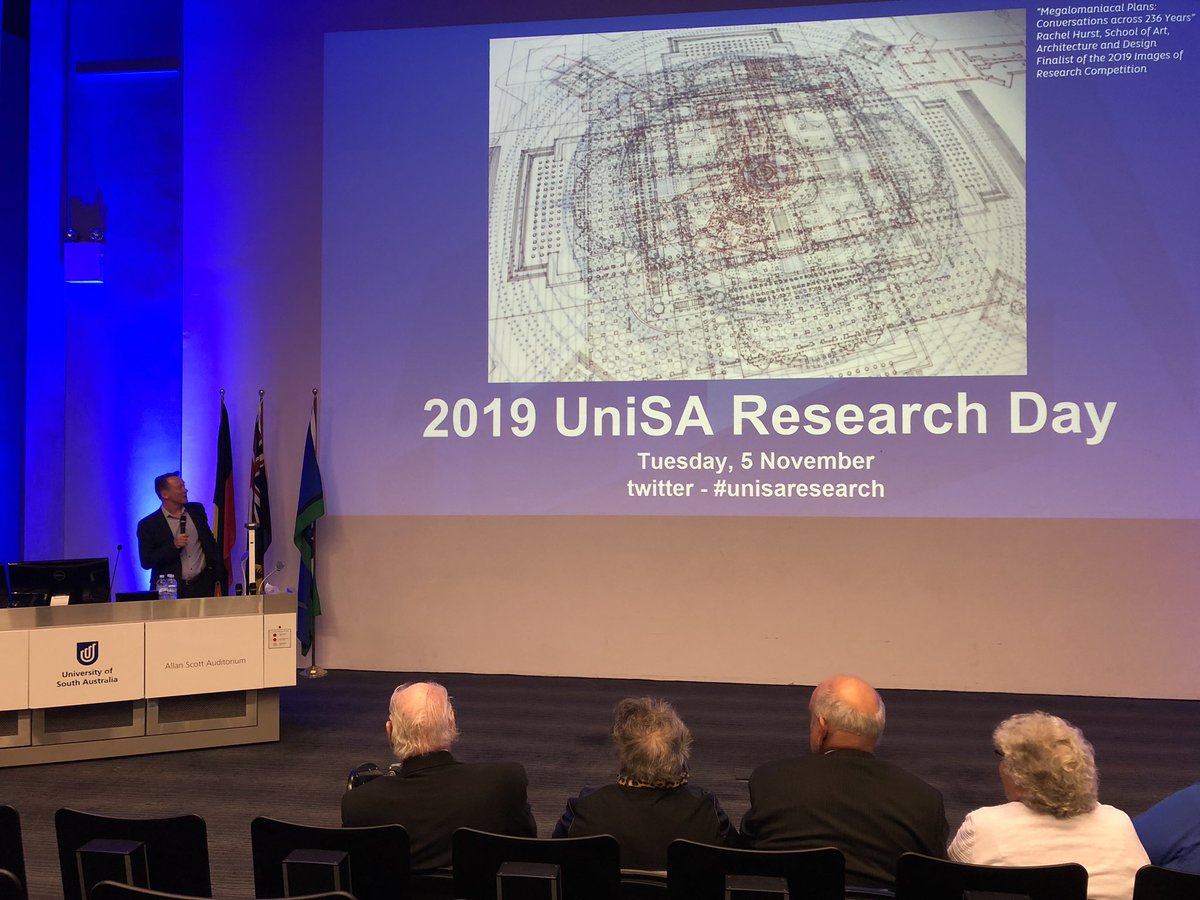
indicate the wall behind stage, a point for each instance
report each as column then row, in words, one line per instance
column 14, row 156
column 1050, row 605
column 1087, row 606
column 103, row 368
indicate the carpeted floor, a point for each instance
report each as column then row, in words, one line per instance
column 558, row 727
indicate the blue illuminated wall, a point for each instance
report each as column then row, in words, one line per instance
column 104, row 363
column 14, row 79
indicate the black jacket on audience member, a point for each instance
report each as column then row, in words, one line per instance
column 434, row 794
column 869, row 809
column 645, row 820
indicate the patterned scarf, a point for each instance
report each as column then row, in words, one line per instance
column 662, row 784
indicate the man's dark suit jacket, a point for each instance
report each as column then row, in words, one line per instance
column 869, row 809
column 157, row 550
column 432, row 795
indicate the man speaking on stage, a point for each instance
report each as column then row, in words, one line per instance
column 176, row 540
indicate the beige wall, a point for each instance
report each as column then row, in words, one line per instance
column 1091, row 607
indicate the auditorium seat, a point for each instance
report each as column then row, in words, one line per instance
column 375, row 864
column 173, row 851
column 698, row 871
column 920, row 877
column 10, row 887
column 641, row 884
column 12, row 853
column 435, row 884
column 114, row 890
column 1158, row 883
column 589, row 868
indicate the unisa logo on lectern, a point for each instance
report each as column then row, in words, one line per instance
column 87, row 652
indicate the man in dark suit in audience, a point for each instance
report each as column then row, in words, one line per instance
column 431, row 793
column 842, row 795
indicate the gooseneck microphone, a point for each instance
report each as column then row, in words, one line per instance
column 113, row 576
column 278, row 568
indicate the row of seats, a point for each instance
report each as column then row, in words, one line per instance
column 100, row 856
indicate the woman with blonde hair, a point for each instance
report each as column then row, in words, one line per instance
column 1048, row 772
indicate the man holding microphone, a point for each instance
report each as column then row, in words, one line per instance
column 177, row 540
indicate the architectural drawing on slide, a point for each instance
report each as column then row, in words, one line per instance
column 803, row 200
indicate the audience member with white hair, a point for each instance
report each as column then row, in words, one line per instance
column 1053, row 814
column 432, row 793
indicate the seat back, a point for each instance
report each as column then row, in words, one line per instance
column 1158, row 883
column 643, row 884
column 10, row 887
column 12, row 853
column 176, row 849
column 114, row 890
column 921, row 877
column 697, row 871
column 434, row 884
column 590, row 867
column 378, row 856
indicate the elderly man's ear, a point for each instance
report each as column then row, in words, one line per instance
column 817, row 731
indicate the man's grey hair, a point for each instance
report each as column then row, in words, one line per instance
column 839, row 716
column 1051, row 761
column 422, row 722
column 653, row 745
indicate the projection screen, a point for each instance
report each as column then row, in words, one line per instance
column 908, row 284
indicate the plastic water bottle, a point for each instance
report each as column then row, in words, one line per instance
column 161, row 586
column 172, row 588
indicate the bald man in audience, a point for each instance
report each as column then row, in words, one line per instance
column 431, row 793
column 842, row 795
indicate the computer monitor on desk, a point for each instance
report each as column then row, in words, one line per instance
column 47, row 582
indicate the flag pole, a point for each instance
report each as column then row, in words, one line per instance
column 313, row 670
column 251, row 584
column 257, row 501
column 218, row 519
column 224, row 508
column 250, row 523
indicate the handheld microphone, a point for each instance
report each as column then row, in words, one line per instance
column 183, row 521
